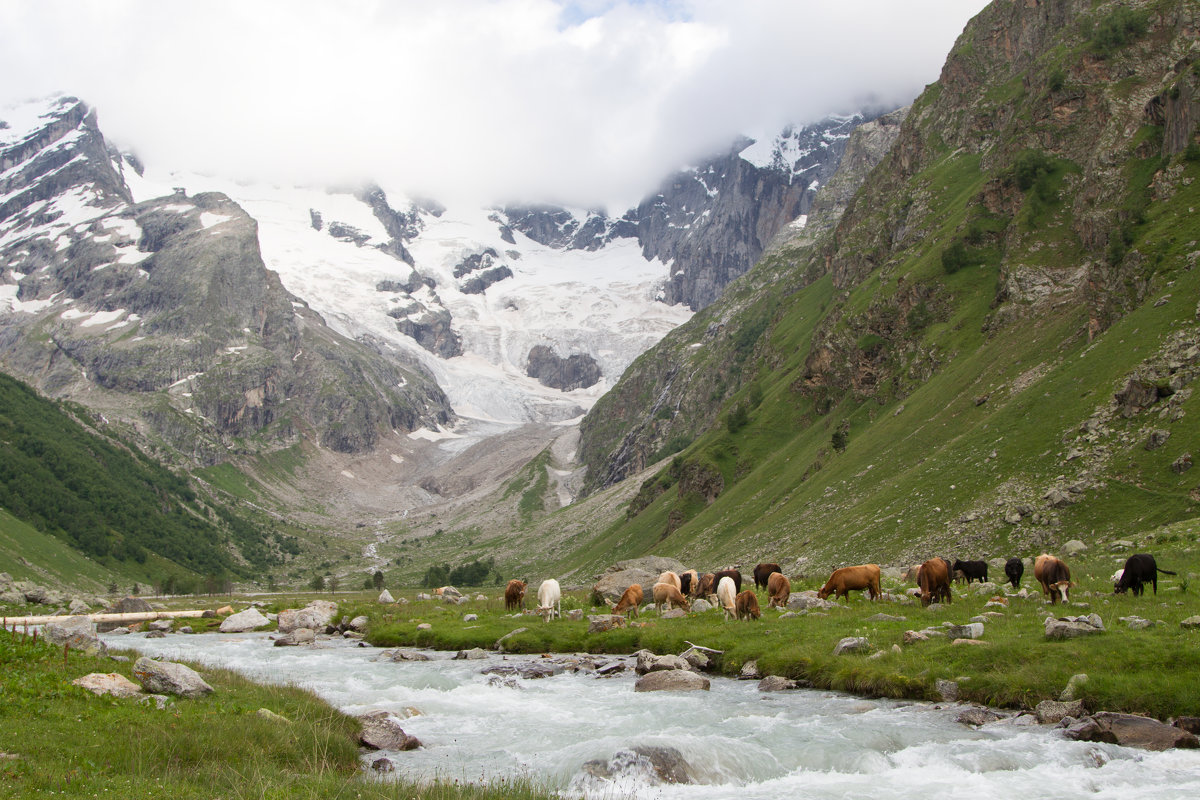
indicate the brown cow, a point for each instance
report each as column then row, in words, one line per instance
column 779, row 589
column 1054, row 576
column 848, row 579
column 514, row 595
column 708, row 584
column 733, row 574
column 669, row 595
column 763, row 572
column 934, row 580
column 746, row 605
column 671, row 578
column 630, row 601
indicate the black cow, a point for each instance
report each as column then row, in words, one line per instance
column 1139, row 568
column 1014, row 568
column 734, row 575
column 971, row 570
column 685, row 582
column 762, row 574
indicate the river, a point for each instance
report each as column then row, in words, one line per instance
column 737, row 741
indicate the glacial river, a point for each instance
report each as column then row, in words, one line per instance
column 738, row 742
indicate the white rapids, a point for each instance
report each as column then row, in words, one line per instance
column 739, row 743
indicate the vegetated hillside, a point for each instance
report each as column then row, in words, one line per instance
column 62, row 475
column 990, row 354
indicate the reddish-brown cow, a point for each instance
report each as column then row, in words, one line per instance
column 746, row 605
column 514, row 595
column 934, row 579
column 763, row 572
column 1054, row 576
column 630, row 601
column 849, row 579
column 779, row 589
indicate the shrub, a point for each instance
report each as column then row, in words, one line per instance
column 1118, row 29
column 955, row 257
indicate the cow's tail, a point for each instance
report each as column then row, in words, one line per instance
column 1163, row 571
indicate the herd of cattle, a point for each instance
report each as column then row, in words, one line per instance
column 932, row 578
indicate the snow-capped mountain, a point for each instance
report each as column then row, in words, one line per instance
column 195, row 294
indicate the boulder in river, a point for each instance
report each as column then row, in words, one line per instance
column 77, row 633
column 381, row 731
column 316, row 615
column 674, row 680
column 654, row 765
column 244, row 621
column 1131, row 730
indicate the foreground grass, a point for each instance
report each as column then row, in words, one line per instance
column 1152, row 671
column 60, row 740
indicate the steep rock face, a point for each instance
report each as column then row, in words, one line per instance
column 577, row 371
column 167, row 307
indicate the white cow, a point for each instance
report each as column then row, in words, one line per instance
column 549, row 599
column 726, row 594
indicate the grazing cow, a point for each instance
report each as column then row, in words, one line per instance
column 550, row 600
column 1139, row 569
column 671, row 578
column 630, row 601
column 514, row 595
column 689, row 582
column 971, row 570
column 934, row 580
column 726, row 596
column 746, row 605
column 762, row 572
column 848, row 579
column 779, row 589
column 708, row 585
column 733, row 575
column 1014, row 568
column 1054, row 576
column 669, row 595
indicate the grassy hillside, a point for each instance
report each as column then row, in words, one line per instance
column 69, row 490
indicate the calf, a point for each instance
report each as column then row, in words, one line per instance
column 779, row 589
column 1139, row 568
column 1054, row 576
column 762, row 572
column 934, row 580
column 549, row 600
column 669, row 595
column 971, row 570
column 1014, row 568
column 849, row 579
column 630, row 601
column 514, row 595
column 746, row 605
column 726, row 596
column 733, row 575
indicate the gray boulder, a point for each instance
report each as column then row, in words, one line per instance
column 700, row 605
column 77, row 633
column 613, row 582
column 776, row 683
column 654, row 765
column 112, row 683
column 166, row 677
column 297, row 637
column 474, row 654
column 381, row 731
column 1071, row 691
column 749, row 671
column 976, row 717
column 243, row 621
column 599, row 623
column 1130, row 730
column 1049, row 712
column 1190, row 622
column 649, row 662
column 1073, row 627
column 674, row 680
column 851, row 644
column 317, row 615
column 386, row 597
column 130, row 605
column 971, row 630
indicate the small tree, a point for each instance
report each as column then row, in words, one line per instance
column 317, row 584
column 332, row 582
column 377, row 579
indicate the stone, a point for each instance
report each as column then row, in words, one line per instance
column 946, row 689
column 673, row 680
column 385, row 597
column 156, row 635
column 1190, row 622
column 971, row 643
column 112, row 683
column 166, row 677
column 575, row 614
column 268, row 714
column 225, row 610
column 912, row 637
column 424, row 626
column 799, row 601
column 673, row 613
column 851, row 644
column 1131, row 730
column 1189, row 724
column 185, row 629
column 645, row 764
column 360, row 623
column 1071, row 691
column 500, row 642
column 700, row 605
column 1136, row 623
column 776, row 683
column 1073, row 627
column 77, row 633
column 470, row 617
column 474, row 654
column 649, row 662
column 599, row 623
column 243, row 621
column 1157, row 438
column 749, row 671
column 884, row 618
column 529, row 670
column 403, row 655
column 317, row 615
column 163, row 625
column 1049, row 712
column 1074, row 547
column 78, row 606
column 620, row 576
column 1182, row 464
column 381, row 731
column 383, row 764
column 697, row 659
column 970, row 631
column 976, row 717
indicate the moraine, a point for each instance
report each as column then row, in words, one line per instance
column 737, row 741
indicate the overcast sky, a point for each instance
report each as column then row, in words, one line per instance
column 585, row 102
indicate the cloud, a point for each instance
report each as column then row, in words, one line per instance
column 586, row 101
